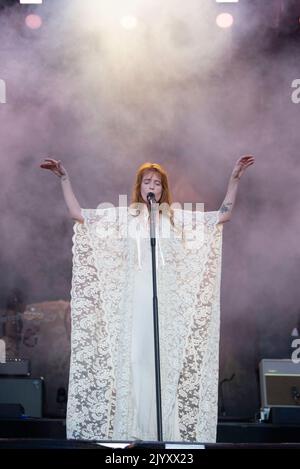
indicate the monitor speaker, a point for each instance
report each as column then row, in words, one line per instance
column 279, row 383
column 27, row 392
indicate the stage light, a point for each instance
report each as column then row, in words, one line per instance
column 224, row 20
column 31, row 2
column 128, row 22
column 33, row 21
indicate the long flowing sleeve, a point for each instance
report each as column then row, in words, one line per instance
column 105, row 260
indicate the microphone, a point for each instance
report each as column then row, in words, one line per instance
column 151, row 197
column 152, row 202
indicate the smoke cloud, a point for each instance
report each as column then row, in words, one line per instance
column 176, row 90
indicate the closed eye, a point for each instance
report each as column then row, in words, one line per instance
column 146, row 181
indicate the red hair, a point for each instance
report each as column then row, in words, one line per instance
column 136, row 193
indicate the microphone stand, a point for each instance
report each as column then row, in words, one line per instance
column 153, row 209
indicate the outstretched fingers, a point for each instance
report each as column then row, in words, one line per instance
column 51, row 160
column 247, row 158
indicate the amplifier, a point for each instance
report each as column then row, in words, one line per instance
column 15, row 367
column 279, row 383
column 11, row 411
column 28, row 392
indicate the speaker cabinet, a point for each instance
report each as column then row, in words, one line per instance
column 27, row 392
column 279, row 383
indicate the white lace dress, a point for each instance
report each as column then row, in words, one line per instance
column 142, row 356
column 143, row 362
column 112, row 377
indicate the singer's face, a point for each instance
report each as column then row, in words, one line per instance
column 151, row 182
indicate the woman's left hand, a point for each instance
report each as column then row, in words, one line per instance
column 241, row 165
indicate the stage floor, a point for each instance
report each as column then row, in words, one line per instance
column 228, row 432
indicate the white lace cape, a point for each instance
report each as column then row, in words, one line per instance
column 99, row 404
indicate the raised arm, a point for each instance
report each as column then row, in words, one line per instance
column 57, row 168
column 228, row 203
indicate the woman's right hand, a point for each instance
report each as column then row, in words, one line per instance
column 55, row 166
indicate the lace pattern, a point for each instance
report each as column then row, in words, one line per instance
column 99, row 404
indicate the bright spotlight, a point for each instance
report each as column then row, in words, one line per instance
column 128, row 22
column 33, row 21
column 224, row 20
